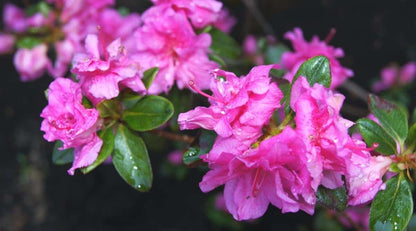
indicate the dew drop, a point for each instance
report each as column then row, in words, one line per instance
column 135, row 167
column 223, row 112
column 139, row 186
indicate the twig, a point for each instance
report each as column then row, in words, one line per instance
column 353, row 110
column 355, row 89
column 252, row 7
column 174, row 136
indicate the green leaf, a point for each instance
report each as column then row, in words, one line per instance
column 109, row 108
column 392, row 208
column 393, row 118
column 224, row 45
column 149, row 75
column 193, row 154
column 28, row 42
column 374, row 133
column 41, row 7
column 108, row 146
column 411, row 138
column 316, row 70
column 274, row 53
column 131, row 160
column 130, row 98
column 61, row 157
column 335, row 199
column 86, row 102
column 149, row 113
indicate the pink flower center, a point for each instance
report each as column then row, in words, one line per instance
column 64, row 121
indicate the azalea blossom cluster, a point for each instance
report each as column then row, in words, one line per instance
column 113, row 59
column 164, row 37
column 261, row 163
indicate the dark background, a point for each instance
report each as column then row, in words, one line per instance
column 37, row 195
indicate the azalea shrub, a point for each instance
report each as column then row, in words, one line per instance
column 262, row 120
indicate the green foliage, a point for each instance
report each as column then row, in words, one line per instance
column 61, row 157
column 224, row 45
column 109, row 108
column 108, row 146
column 149, row 75
column 335, row 199
column 28, row 42
column 323, row 222
column 130, row 98
column 41, row 7
column 393, row 118
column 149, row 113
column 374, row 133
column 411, row 138
column 316, row 70
column 193, row 154
column 392, row 208
column 131, row 160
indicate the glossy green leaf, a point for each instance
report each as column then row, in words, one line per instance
column 149, row 113
column 130, row 98
column 316, row 70
column 61, row 157
column 109, row 108
column 131, row 159
column 374, row 133
column 149, row 75
column 107, row 136
column 392, row 208
column 224, row 45
column 411, row 138
column 193, row 154
column 274, row 53
column 393, row 118
column 28, row 42
column 335, row 199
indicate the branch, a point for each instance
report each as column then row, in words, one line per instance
column 174, row 136
column 355, row 90
column 255, row 11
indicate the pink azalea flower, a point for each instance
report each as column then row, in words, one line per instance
column 113, row 25
column 100, row 78
column 66, row 119
column 31, row 63
column 275, row 173
column 240, row 107
column 6, row 43
column 225, row 21
column 201, row 12
column 365, row 172
column 167, row 41
column 394, row 76
column 319, row 123
column 305, row 50
column 14, row 18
